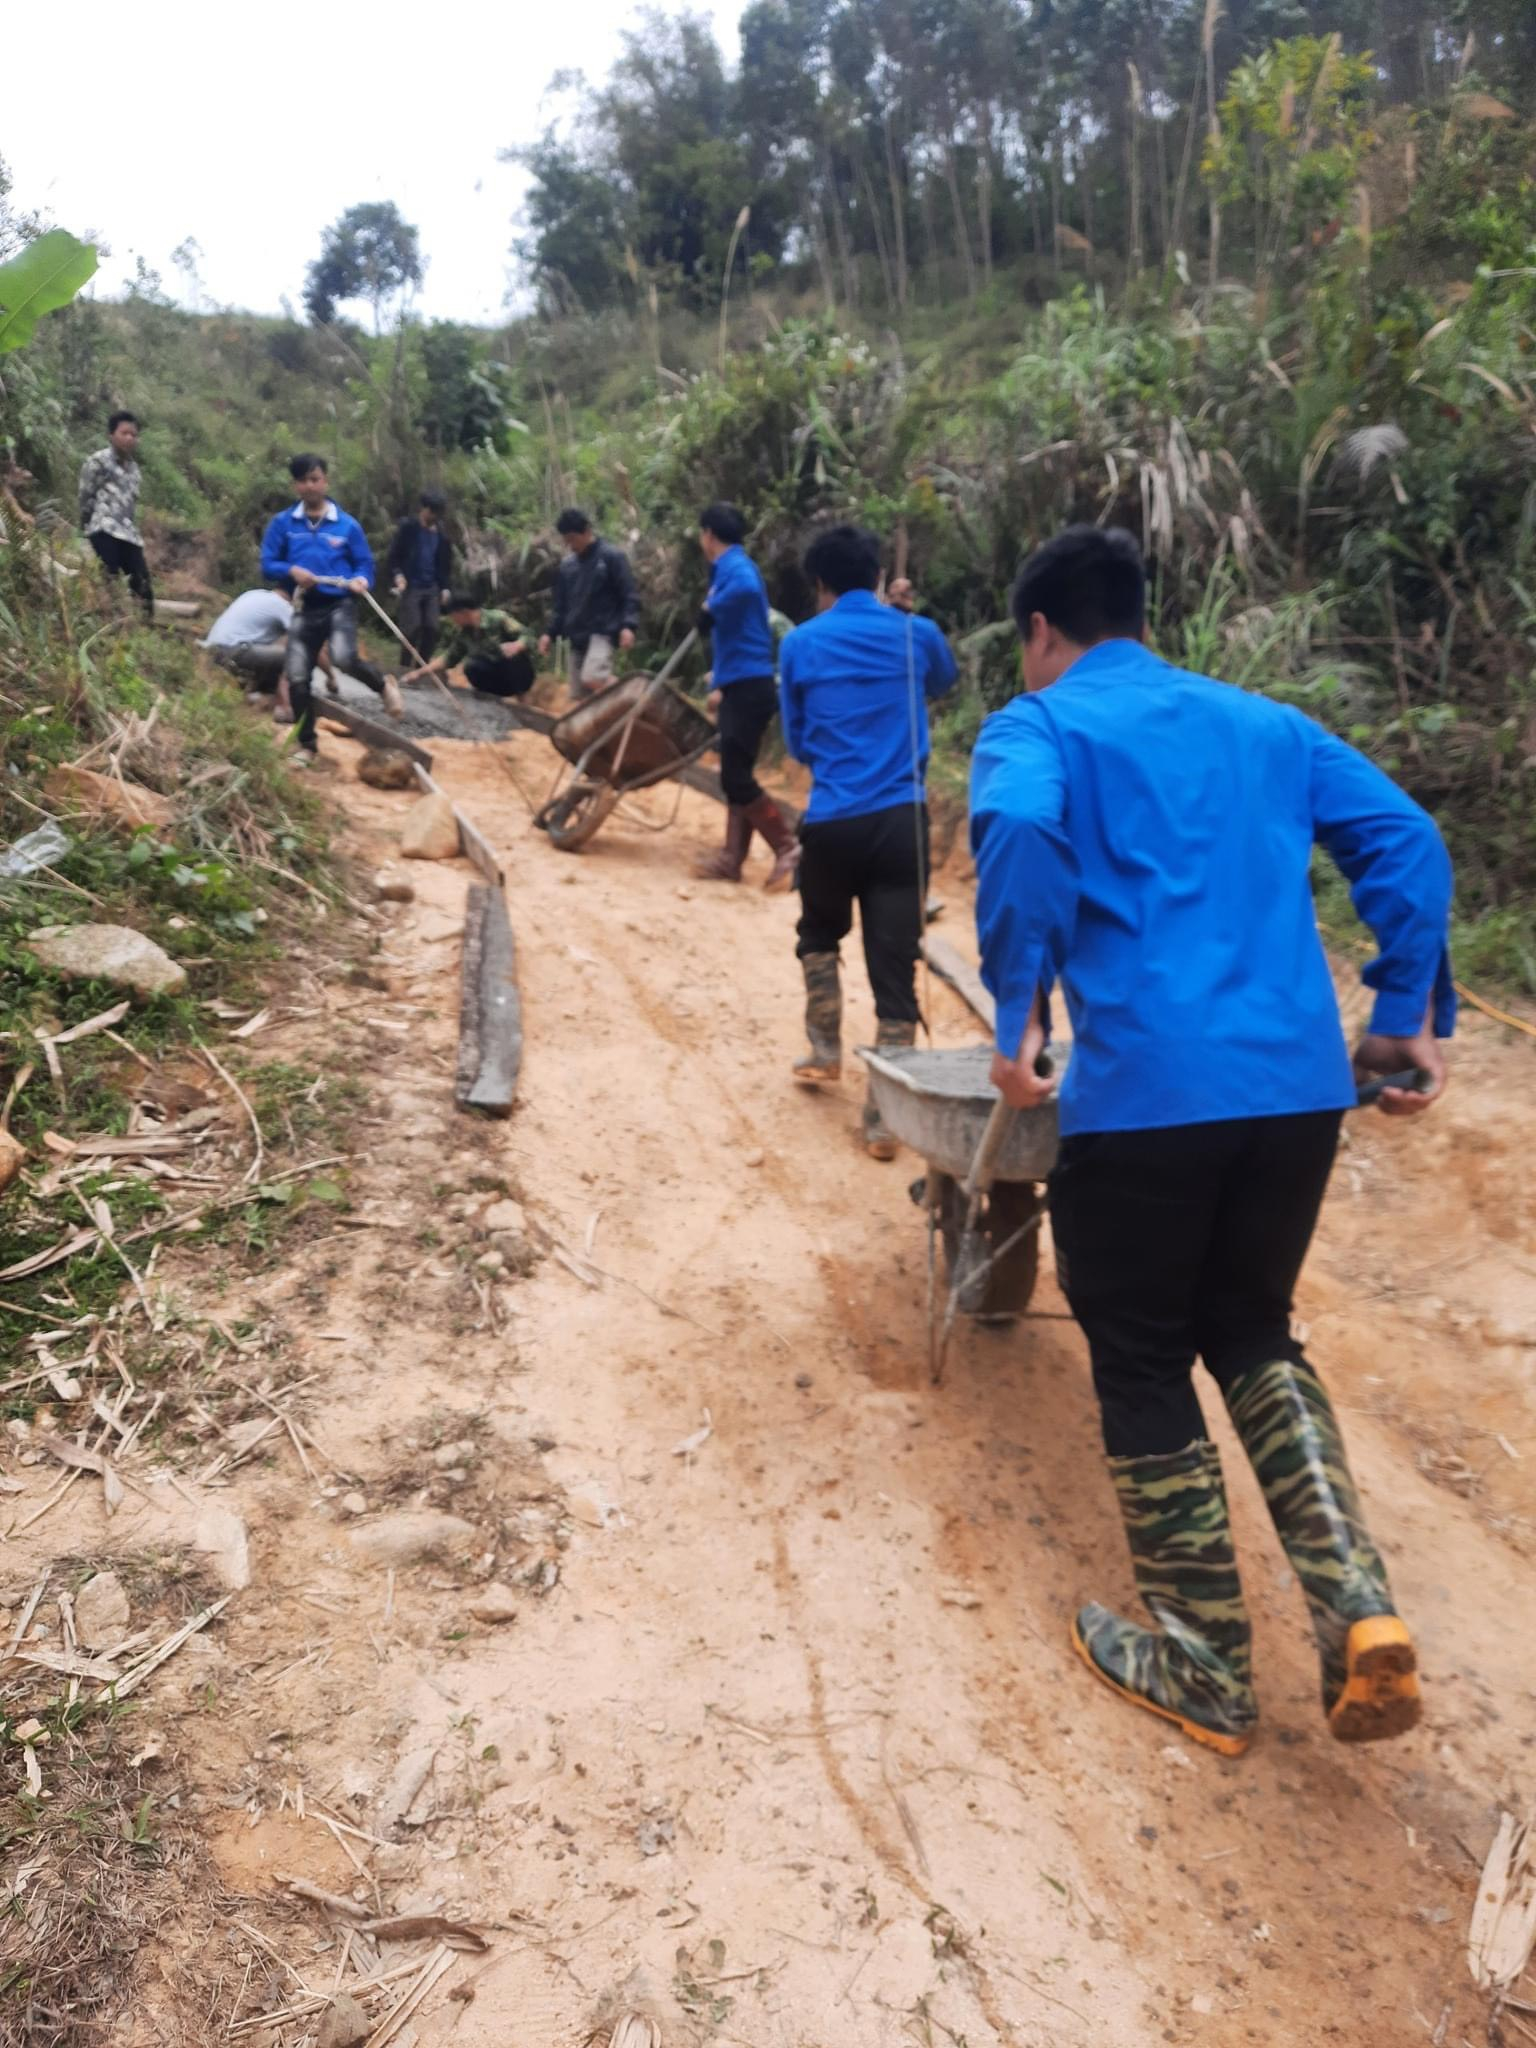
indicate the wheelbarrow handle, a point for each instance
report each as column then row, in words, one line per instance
column 1413, row 1080
column 999, row 1123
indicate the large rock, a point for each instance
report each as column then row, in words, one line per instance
column 101, row 1612
column 102, row 796
column 430, row 830
column 108, row 952
column 407, row 1539
column 386, row 768
column 12, row 1154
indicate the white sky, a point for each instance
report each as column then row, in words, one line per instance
column 251, row 128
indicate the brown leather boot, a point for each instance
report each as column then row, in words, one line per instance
column 763, row 815
column 726, row 863
column 878, row 1141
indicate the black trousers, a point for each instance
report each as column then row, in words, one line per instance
column 880, row 863
column 314, row 626
column 420, row 611
column 747, row 709
column 1185, row 1243
column 500, row 675
column 126, row 558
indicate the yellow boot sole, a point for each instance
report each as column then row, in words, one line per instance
column 1381, row 1695
column 1209, row 1738
column 817, row 1073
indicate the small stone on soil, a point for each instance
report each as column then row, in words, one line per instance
column 406, row 1539
column 354, row 1503
column 495, row 1602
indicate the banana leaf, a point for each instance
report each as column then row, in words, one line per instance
column 46, row 275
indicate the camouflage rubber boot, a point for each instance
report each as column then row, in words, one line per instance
column 1194, row 1668
column 1370, row 1672
column 823, row 1021
column 878, row 1141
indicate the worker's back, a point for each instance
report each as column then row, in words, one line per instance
column 1195, row 977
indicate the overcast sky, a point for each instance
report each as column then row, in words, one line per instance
column 251, row 128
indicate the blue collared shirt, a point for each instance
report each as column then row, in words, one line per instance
column 334, row 546
column 854, row 684
column 738, row 611
column 1145, row 836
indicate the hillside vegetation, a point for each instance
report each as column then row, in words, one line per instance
column 1305, row 375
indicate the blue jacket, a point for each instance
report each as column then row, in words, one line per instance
column 853, row 689
column 1146, row 835
column 336, row 546
column 738, row 615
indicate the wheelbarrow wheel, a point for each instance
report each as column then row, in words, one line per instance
column 1003, row 1291
column 575, row 816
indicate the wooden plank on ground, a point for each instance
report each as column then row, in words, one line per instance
column 369, row 732
column 491, row 1012
column 952, row 966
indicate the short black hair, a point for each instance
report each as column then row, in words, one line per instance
column 300, row 466
column 463, row 601
column 724, row 522
column 844, row 558
column 573, row 520
column 117, row 419
column 1090, row 583
column 434, row 501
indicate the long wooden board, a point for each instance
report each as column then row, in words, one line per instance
column 477, row 847
column 373, row 735
column 952, row 966
column 491, row 1011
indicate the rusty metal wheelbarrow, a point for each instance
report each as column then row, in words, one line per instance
column 636, row 732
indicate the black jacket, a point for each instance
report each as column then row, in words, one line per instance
column 402, row 553
column 594, row 594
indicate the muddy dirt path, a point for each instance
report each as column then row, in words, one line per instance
column 786, row 1744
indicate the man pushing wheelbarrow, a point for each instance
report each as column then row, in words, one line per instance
column 1144, row 836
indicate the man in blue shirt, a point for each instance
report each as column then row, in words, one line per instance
column 743, row 699
column 316, row 540
column 854, row 686
column 1145, row 836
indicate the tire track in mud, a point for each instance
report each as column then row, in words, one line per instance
column 875, row 1835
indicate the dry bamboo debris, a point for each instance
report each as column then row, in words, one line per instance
column 184, row 1219
column 389, row 1927
column 1503, row 1930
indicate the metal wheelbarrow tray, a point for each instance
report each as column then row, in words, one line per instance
column 937, row 1104
column 636, row 732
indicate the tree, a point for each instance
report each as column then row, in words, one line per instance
column 371, row 253
column 577, row 229
column 466, row 397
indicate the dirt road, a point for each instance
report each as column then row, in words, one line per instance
column 791, row 1749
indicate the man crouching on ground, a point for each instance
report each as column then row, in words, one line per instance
column 487, row 644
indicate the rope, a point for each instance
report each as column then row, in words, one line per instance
column 1468, row 995
column 926, row 1005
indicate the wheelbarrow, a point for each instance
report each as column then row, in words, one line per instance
column 984, row 1189
column 634, row 733
column 939, row 1103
